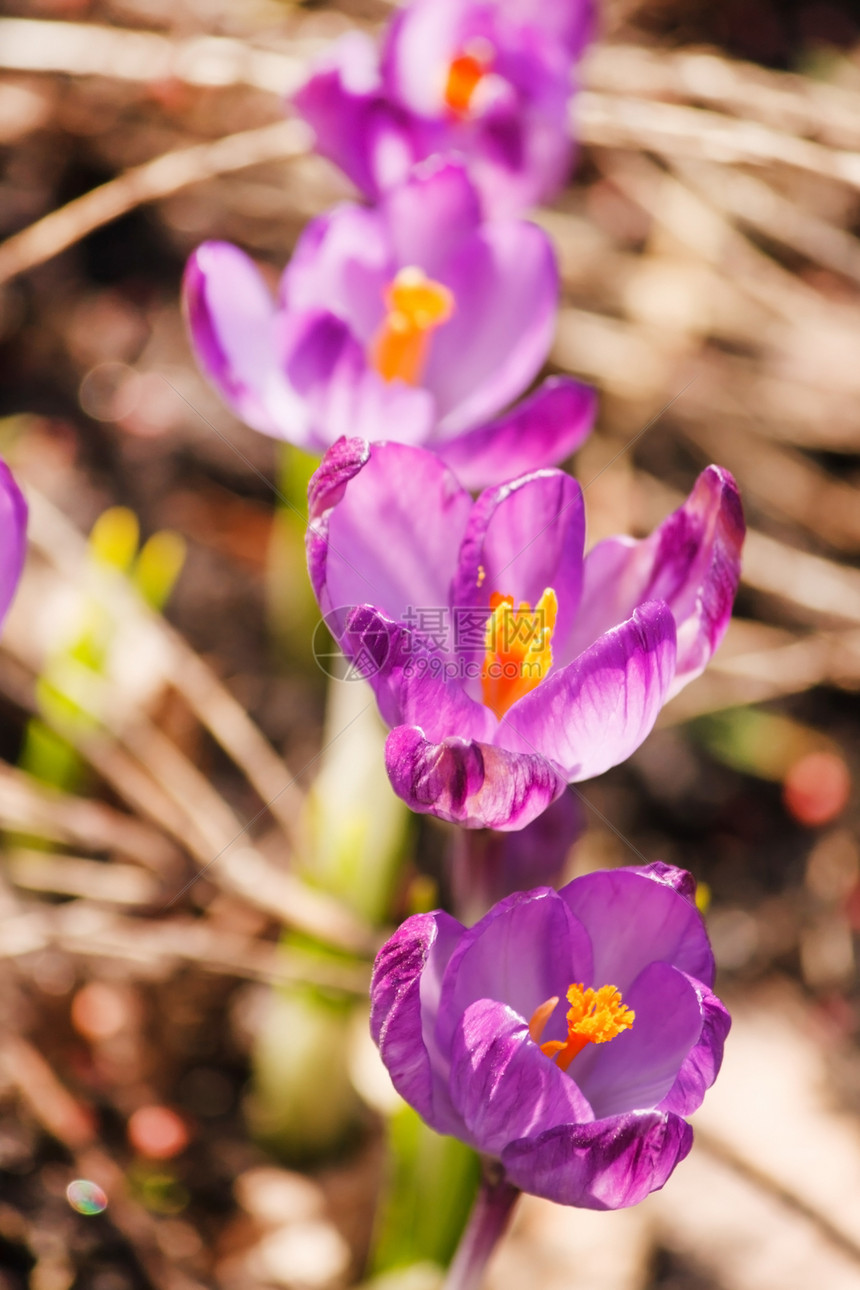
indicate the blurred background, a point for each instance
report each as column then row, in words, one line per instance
column 201, row 851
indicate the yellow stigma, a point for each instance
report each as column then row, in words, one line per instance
column 541, row 1016
column 594, row 1017
column 416, row 306
column 518, row 648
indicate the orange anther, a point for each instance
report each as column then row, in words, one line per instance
column 464, row 76
column 518, row 648
column 594, row 1017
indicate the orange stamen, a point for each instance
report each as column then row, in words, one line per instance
column 594, row 1017
column 518, row 648
column 464, row 76
column 416, row 306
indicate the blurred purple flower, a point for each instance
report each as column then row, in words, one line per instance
column 416, row 321
column 495, row 709
column 13, row 529
column 584, row 1109
column 488, row 79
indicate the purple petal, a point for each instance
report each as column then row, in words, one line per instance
column 420, row 43
column 13, row 527
column 541, row 431
column 391, row 538
column 608, row 1164
column 501, row 1083
column 569, row 22
column 678, row 879
column 596, row 711
column 372, row 139
column 521, row 160
column 413, row 684
column 527, row 949
column 433, row 218
column 668, row 928
column 231, row 318
column 521, row 538
column 328, row 483
column 692, row 561
column 469, row 783
column 326, row 488
column 404, row 1001
column 636, row 1069
column 702, row 1064
column 342, row 264
column 505, row 285
column 342, row 394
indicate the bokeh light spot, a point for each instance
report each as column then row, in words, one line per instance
column 86, row 1197
column 816, row 788
column 157, row 1132
column 98, row 1011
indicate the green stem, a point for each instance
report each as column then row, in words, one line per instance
column 489, row 1218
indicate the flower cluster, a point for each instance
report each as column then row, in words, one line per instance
column 507, row 661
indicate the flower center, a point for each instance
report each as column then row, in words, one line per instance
column 518, row 648
column 594, row 1017
column 415, row 307
column 465, row 74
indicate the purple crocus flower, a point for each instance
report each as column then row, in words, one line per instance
column 416, row 321
column 488, row 79
column 584, row 1108
column 13, row 532
column 494, row 708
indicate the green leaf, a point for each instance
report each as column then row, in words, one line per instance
column 431, row 1187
